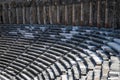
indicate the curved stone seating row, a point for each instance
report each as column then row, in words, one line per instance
column 43, row 57
column 87, row 55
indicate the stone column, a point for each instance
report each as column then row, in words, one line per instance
column 98, row 14
column 9, row 13
column 3, row 13
column 90, row 15
column 106, row 13
column 66, row 15
column 17, row 16
column 0, row 19
column 50, row 14
column 38, row 15
column 82, row 14
column 23, row 12
column 44, row 15
column 31, row 15
column 58, row 14
column 73, row 14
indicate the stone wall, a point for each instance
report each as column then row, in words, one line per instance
column 100, row 13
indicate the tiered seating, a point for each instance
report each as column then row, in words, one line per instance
column 59, row 53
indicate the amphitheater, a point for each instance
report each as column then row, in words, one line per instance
column 53, row 42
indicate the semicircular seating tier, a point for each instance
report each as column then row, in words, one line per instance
column 59, row 53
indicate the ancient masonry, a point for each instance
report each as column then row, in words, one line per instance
column 99, row 13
